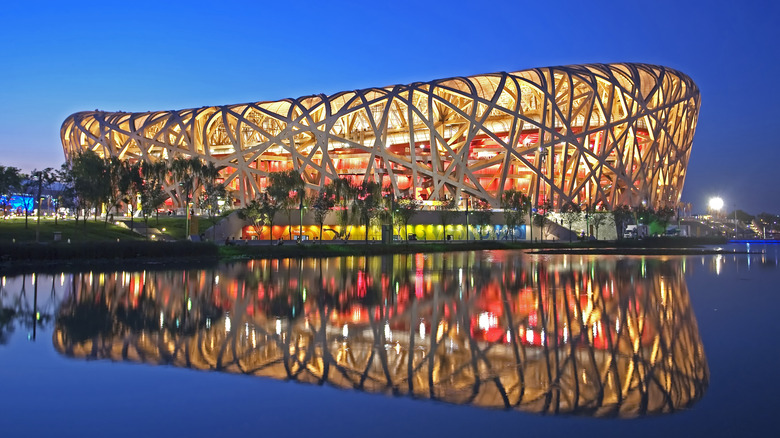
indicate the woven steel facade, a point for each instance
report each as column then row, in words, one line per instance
column 593, row 135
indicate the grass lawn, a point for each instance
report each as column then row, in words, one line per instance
column 175, row 226
column 14, row 229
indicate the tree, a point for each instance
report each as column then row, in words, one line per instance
column 10, row 181
column 663, row 215
column 406, row 208
column 621, row 214
column 61, row 189
column 322, row 202
column 540, row 220
column 571, row 212
column 483, row 217
column 287, row 189
column 90, row 179
column 40, row 179
column 189, row 173
column 68, row 197
column 515, row 204
column 447, row 212
column 597, row 218
column 117, row 175
column 368, row 198
column 540, row 217
column 259, row 212
column 255, row 215
column 343, row 193
column 28, row 198
column 131, row 187
column 152, row 193
column 213, row 194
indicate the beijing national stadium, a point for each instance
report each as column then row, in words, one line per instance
column 596, row 136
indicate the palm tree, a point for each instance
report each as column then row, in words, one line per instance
column 132, row 187
column 343, row 194
column 189, row 173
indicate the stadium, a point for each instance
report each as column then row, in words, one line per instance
column 597, row 135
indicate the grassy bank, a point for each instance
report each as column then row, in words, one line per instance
column 14, row 230
column 93, row 231
column 97, row 244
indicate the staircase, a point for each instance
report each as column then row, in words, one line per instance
column 148, row 232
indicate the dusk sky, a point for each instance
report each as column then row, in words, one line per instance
column 62, row 57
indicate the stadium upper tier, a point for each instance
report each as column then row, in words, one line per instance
column 595, row 135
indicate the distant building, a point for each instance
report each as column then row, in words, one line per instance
column 592, row 135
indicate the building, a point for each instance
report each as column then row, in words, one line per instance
column 594, row 135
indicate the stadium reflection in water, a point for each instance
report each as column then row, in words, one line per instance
column 557, row 335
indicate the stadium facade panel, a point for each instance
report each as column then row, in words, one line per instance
column 597, row 135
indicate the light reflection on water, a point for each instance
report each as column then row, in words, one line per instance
column 601, row 336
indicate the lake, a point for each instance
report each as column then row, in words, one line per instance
column 448, row 344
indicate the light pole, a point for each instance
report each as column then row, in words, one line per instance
column 587, row 222
column 467, row 219
column 715, row 204
column 300, row 209
column 391, row 207
column 543, row 162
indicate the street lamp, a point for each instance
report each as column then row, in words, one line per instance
column 716, row 203
column 543, row 162
column 587, row 222
column 467, row 217
column 391, row 207
column 300, row 209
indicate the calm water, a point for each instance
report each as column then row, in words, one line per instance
column 460, row 344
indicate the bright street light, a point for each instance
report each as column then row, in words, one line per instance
column 716, row 203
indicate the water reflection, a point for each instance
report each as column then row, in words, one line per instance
column 30, row 302
column 599, row 336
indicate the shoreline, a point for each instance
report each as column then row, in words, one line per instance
column 108, row 255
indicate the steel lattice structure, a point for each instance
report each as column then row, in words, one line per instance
column 598, row 135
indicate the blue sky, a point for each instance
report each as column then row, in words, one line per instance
column 62, row 57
